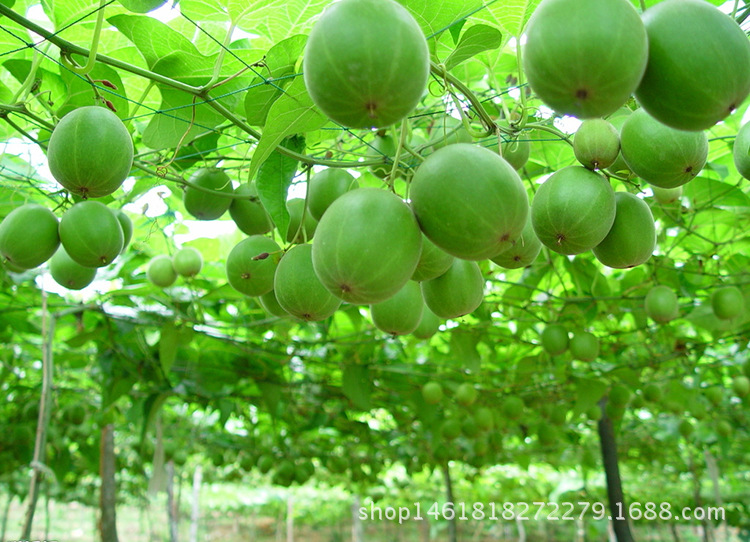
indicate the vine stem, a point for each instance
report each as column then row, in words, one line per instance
column 29, row 81
column 488, row 122
column 643, row 5
column 85, row 70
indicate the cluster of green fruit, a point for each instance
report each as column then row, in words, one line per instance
column 163, row 270
column 89, row 235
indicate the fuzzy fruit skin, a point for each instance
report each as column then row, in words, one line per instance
column 573, row 210
column 250, row 216
column 667, row 196
column 698, row 65
column 660, row 155
column 299, row 291
column 401, row 313
column 727, row 302
column 555, row 339
column 91, row 234
column 585, row 57
column 296, row 208
column 326, row 186
column 205, row 206
column 433, row 262
column 456, row 292
column 741, row 151
column 596, row 144
column 69, row 274
column 366, row 63
column 516, row 152
column 161, row 272
column 187, row 262
column 90, row 152
column 271, row 305
column 632, row 238
column 469, row 201
column 127, row 227
column 432, row 392
column 584, row 346
column 524, row 251
column 367, row 246
column 429, row 324
column 662, row 304
column 248, row 275
column 29, row 236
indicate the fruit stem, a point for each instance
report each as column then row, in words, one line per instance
column 399, row 147
column 734, row 9
column 484, row 116
column 643, row 5
column 30, row 78
column 521, row 85
column 552, row 130
column 65, row 56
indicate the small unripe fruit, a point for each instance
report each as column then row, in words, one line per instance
column 466, row 394
column 661, row 304
column 205, row 205
column 432, row 392
column 326, row 186
column 555, row 339
column 727, row 302
column 187, row 262
column 584, row 346
column 596, row 144
column 161, row 272
column 68, row 273
column 248, row 212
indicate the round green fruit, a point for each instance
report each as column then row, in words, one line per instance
column 68, row 273
column 271, row 305
column 469, row 201
column 660, row 155
column 524, row 250
column 432, row 263
column 585, row 57
column 401, row 313
column 326, row 186
column 429, row 324
column 685, row 428
column 727, row 302
column 741, row 151
column 724, row 428
column 484, row 418
column 367, row 246
column 691, row 84
column 584, row 346
column 127, row 227
column 469, row 427
column 451, row 429
column 456, row 292
column 555, row 339
column 161, row 271
column 90, row 152
column 573, row 210
column 619, row 395
column 596, row 144
column 632, row 238
column 366, row 63
column 251, row 265
column 204, row 205
column 91, row 234
column 382, row 148
column 662, row 304
column 299, row 214
column 512, row 407
column 667, row 196
column 466, row 394
column 714, row 394
column 187, row 262
column 298, row 289
column 248, row 212
column 28, row 236
column 432, row 392
column 516, row 152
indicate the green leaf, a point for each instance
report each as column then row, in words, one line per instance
column 357, row 386
column 510, row 16
column 274, row 178
column 588, row 393
column 275, row 19
column 464, row 349
column 168, row 343
column 64, row 12
column 435, row 16
column 142, row 6
column 165, row 51
column 706, row 192
column 80, row 93
column 475, row 40
column 292, row 113
column 271, row 396
column 279, row 66
column 48, row 83
column 204, row 10
column 455, row 30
